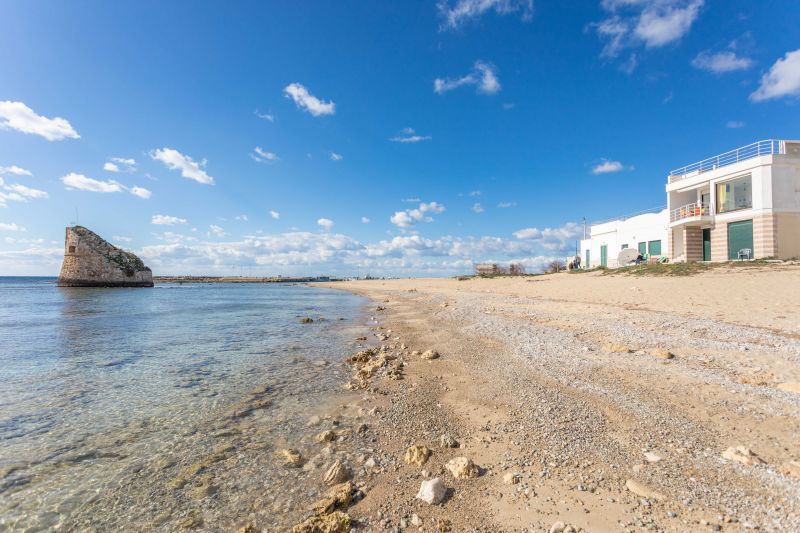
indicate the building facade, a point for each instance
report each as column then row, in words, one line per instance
column 646, row 232
column 743, row 204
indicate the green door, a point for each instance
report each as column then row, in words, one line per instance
column 654, row 248
column 740, row 237
column 588, row 263
column 707, row 244
column 604, row 255
column 642, row 248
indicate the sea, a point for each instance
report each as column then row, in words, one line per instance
column 163, row 408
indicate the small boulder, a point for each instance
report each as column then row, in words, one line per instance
column 326, row 436
column 335, row 522
column 791, row 468
column 337, row 473
column 612, row 347
column 557, row 527
column 640, row 489
column 652, row 457
column 291, row 458
column 430, row 354
column 789, row 387
column 661, row 353
column 306, row 320
column 338, row 496
column 742, row 454
column 432, row 491
column 446, row 441
column 511, row 478
column 417, row 455
column 462, row 468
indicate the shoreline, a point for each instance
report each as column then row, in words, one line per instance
column 601, row 416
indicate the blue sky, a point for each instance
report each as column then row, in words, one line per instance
column 403, row 138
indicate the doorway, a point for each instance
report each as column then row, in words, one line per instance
column 604, row 255
column 707, row 244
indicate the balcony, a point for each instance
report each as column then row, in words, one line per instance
column 689, row 213
column 767, row 147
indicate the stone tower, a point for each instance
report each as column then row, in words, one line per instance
column 90, row 261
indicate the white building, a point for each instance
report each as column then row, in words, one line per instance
column 741, row 204
column 646, row 232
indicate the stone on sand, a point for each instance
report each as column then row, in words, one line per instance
column 446, row 441
column 430, row 354
column 789, row 387
column 335, row 522
column 742, row 454
column 661, row 353
column 337, row 473
column 640, row 489
column 511, row 478
column 432, row 491
column 417, row 455
column 291, row 458
column 462, row 468
column 557, row 527
column 791, row 468
column 338, row 496
column 612, row 347
column 326, row 436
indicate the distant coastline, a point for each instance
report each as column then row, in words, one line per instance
column 241, row 279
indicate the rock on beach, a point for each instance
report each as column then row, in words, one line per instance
column 417, row 455
column 432, row 491
column 462, row 468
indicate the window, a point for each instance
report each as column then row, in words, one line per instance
column 654, row 247
column 72, row 249
column 642, row 248
column 735, row 194
column 624, row 246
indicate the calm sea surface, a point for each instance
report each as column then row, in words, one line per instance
column 107, row 394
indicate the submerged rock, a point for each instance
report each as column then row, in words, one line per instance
column 335, row 522
column 90, row 261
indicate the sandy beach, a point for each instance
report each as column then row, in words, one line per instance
column 586, row 402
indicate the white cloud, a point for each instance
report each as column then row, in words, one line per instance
column 336, row 157
column 308, row 102
column 120, row 164
column 275, row 215
column 18, row 116
column 782, row 79
column 166, row 220
column 119, row 238
column 243, row 218
column 14, row 169
column 506, row 205
column 721, row 62
column 463, row 10
column 475, row 193
column 409, row 217
column 412, row 200
column 262, row 156
column 734, row 124
column 408, row 135
column 554, row 239
column 364, row 220
column 648, row 23
column 266, row 116
column 217, row 230
column 141, row 192
column 325, row 223
column 190, row 169
column 482, row 76
column 477, row 207
column 24, row 191
column 84, row 183
column 606, row 166
column 10, row 227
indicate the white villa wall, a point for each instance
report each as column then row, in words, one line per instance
column 630, row 231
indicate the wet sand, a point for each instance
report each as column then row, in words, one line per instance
column 606, row 403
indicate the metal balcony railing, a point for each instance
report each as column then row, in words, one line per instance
column 695, row 209
column 766, row 147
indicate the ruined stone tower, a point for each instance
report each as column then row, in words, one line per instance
column 90, row 261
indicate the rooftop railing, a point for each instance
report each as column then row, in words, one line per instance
column 766, row 147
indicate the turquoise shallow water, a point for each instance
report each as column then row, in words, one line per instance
column 98, row 381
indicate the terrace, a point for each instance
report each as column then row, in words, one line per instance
column 756, row 149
